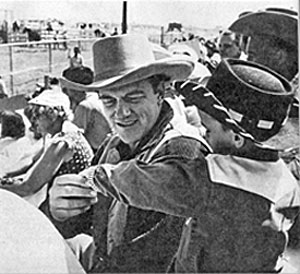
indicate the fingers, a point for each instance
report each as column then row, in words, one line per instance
column 62, row 215
column 70, row 196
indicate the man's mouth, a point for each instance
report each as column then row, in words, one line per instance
column 125, row 124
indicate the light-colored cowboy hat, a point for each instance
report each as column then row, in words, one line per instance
column 200, row 71
column 125, row 59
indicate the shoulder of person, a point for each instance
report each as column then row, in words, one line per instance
column 179, row 144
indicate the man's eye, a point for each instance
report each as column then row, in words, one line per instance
column 134, row 99
column 108, row 102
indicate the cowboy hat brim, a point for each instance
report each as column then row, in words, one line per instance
column 287, row 137
column 175, row 68
column 270, row 23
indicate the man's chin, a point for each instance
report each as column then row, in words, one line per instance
column 129, row 140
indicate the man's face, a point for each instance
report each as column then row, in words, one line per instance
column 228, row 47
column 44, row 124
column 220, row 139
column 131, row 110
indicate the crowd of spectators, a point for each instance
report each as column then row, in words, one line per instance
column 159, row 159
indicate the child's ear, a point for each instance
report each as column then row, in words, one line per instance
column 238, row 140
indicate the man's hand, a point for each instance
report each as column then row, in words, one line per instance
column 70, row 195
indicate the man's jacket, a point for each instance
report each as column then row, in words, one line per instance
column 239, row 208
column 131, row 239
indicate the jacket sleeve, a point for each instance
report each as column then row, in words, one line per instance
column 176, row 181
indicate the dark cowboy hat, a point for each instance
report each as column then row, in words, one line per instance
column 82, row 75
column 125, row 59
column 280, row 23
column 251, row 99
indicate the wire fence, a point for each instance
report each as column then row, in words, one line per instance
column 25, row 64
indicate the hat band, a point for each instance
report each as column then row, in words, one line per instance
column 264, row 124
column 111, row 73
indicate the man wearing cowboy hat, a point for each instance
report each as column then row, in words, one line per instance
column 240, row 200
column 145, row 147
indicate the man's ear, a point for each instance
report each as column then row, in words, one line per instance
column 160, row 99
column 238, row 140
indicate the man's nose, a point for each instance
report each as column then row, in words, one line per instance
column 122, row 109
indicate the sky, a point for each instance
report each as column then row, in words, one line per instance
column 199, row 13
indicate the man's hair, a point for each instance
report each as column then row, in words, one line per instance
column 155, row 80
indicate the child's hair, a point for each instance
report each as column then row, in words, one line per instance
column 12, row 124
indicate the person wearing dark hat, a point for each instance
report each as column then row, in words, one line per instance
column 144, row 147
column 240, row 200
column 86, row 107
column 77, row 59
column 273, row 39
column 230, row 45
column 254, row 199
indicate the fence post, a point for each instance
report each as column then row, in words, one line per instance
column 11, row 70
column 50, row 58
column 162, row 36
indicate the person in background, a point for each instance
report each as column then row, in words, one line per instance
column 199, row 74
column 3, row 90
column 86, row 106
column 213, row 57
column 66, row 151
column 18, row 149
column 115, row 32
column 76, row 60
column 12, row 127
column 273, row 41
column 145, row 147
column 229, row 46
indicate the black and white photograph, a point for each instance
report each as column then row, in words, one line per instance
column 149, row 136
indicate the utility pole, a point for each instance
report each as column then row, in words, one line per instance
column 124, row 18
